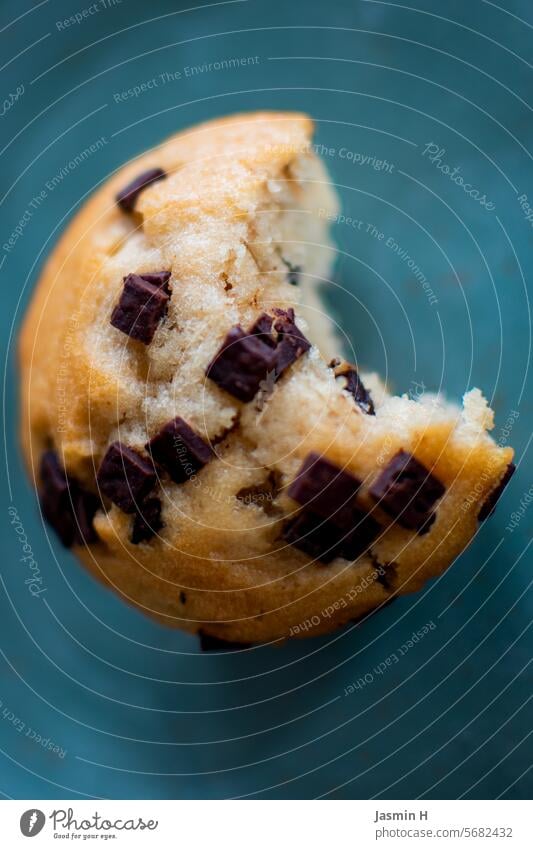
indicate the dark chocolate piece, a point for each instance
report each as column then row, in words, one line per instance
column 489, row 506
column 84, row 504
column 127, row 198
column 262, row 495
column 325, row 489
column 147, row 521
column 125, row 477
column 407, row 491
column 324, row 540
column 364, row 530
column 159, row 279
column 356, row 388
column 285, row 315
column 179, row 450
column 331, row 524
column 66, row 506
column 244, row 361
column 388, row 577
column 55, row 498
column 209, row 643
column 241, row 364
column 225, row 432
column 387, row 572
column 314, row 536
column 141, row 307
column 263, row 327
column 291, row 341
column 425, row 527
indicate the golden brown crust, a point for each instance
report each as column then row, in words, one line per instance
column 220, row 563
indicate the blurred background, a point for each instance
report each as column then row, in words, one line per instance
column 95, row 700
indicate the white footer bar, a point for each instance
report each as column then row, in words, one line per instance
column 266, row 824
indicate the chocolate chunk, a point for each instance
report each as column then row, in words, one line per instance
column 147, row 521
column 127, row 198
column 325, row 540
column 244, row 362
column 364, row 530
column 225, row 432
column 314, row 536
column 55, row 498
column 325, row 489
column 84, row 504
column 291, row 341
column 263, row 327
column 125, row 477
column 407, row 492
column 328, row 492
column 489, row 505
column 262, row 495
column 241, row 364
column 66, row 506
column 159, row 279
column 354, row 385
column 209, row 643
column 425, row 527
column 293, row 277
column 285, row 315
column 179, row 450
column 387, row 577
column 331, row 524
column 387, row 573
column 141, row 306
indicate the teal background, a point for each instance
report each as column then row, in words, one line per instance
column 137, row 709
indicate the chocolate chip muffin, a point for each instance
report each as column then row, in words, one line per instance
column 185, row 426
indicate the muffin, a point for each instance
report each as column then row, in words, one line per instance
column 190, row 428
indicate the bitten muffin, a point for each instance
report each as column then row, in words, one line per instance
column 186, row 427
